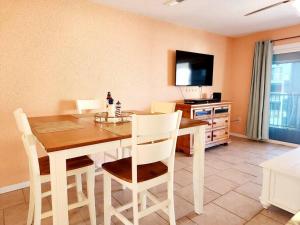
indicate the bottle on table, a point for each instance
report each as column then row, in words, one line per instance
column 118, row 108
column 110, row 107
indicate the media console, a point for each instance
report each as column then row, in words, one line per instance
column 217, row 114
column 200, row 101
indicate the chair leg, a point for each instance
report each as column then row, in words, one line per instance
column 171, row 209
column 37, row 204
column 91, row 195
column 107, row 199
column 79, row 187
column 143, row 199
column 135, row 202
column 31, row 207
column 120, row 152
column 120, row 155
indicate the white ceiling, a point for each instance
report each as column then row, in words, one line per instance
column 219, row 16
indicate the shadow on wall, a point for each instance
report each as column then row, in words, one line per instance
column 171, row 57
column 67, row 107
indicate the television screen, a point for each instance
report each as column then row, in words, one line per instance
column 194, row 69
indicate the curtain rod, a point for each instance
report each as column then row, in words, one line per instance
column 282, row 39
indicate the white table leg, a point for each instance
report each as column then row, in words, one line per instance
column 198, row 168
column 59, row 189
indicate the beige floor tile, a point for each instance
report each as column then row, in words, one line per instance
column 99, row 210
column 1, row 217
column 26, row 194
column 250, row 190
column 185, row 221
column 99, row 207
column 235, row 176
column 238, row 204
column 249, row 169
column 183, row 158
column 234, row 166
column 218, row 164
column 257, row 180
column 11, row 198
column 179, row 165
column 153, row 218
column 74, row 218
column 183, row 177
column 254, row 160
column 16, row 215
column 123, row 196
column 219, row 184
column 163, row 188
column 215, row 215
column 187, row 194
column 182, row 206
column 99, row 185
column 228, row 156
column 262, row 220
column 277, row 214
column 208, row 170
column 209, row 196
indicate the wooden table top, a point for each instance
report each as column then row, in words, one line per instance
column 90, row 132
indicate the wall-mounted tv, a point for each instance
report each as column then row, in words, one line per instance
column 194, row 69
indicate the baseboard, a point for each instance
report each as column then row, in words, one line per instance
column 14, row 187
column 283, row 143
column 238, row 135
column 269, row 141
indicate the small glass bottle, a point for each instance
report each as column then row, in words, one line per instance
column 107, row 98
column 111, row 109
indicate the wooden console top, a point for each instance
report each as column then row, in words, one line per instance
column 182, row 104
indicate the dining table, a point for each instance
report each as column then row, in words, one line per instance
column 69, row 136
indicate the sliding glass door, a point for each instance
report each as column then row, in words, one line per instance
column 285, row 95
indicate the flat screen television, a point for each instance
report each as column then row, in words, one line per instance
column 194, row 69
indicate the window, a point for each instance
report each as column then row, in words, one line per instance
column 284, row 122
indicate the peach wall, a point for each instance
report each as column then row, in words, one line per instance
column 242, row 54
column 52, row 52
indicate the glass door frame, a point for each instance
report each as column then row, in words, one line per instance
column 281, row 49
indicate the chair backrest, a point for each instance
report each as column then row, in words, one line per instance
column 22, row 122
column 29, row 141
column 154, row 139
column 163, row 107
column 90, row 104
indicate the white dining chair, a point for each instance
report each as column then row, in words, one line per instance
column 162, row 107
column 152, row 163
column 84, row 106
column 87, row 105
column 39, row 173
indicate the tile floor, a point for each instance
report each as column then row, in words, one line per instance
column 232, row 188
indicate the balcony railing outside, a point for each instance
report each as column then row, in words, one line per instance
column 285, row 110
column 285, row 117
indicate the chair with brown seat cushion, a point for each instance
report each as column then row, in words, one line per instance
column 152, row 163
column 39, row 173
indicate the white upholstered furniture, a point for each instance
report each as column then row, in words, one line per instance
column 281, row 182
